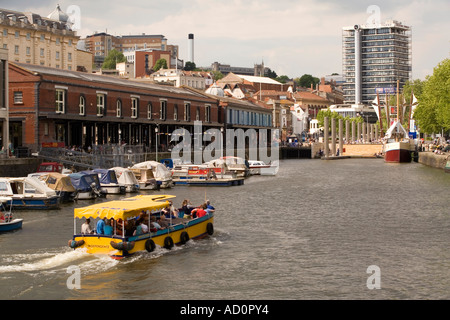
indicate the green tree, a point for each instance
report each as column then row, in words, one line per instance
column 112, row 59
column 433, row 112
column 189, row 66
column 217, row 75
column 282, row 79
column 160, row 63
column 306, row 80
column 271, row 74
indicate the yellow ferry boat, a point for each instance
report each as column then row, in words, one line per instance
column 179, row 230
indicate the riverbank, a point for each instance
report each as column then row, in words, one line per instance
column 433, row 160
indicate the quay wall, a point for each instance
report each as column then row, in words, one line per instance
column 433, row 160
column 355, row 150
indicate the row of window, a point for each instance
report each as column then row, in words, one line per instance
column 248, row 118
column 60, row 107
column 28, row 37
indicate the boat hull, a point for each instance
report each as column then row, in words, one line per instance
column 37, row 203
column 101, row 244
column 210, row 182
column 11, row 226
column 398, row 152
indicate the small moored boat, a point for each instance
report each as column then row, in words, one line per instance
column 87, row 185
column 162, row 175
column 180, row 230
column 59, row 182
column 7, row 222
column 108, row 181
column 28, row 193
column 126, row 178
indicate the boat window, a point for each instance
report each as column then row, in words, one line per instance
column 29, row 188
column 51, row 180
column 3, row 186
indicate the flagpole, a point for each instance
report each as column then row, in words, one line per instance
column 379, row 112
column 410, row 111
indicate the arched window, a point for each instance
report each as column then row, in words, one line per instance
column 119, row 108
column 82, row 106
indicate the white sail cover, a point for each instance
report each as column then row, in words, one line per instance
column 396, row 128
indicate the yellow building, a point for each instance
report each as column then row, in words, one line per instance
column 46, row 41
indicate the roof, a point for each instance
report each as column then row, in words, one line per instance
column 76, row 75
column 309, row 96
column 123, row 209
column 259, row 79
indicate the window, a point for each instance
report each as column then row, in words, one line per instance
column 82, row 105
column 70, row 42
column 42, row 52
column 57, row 55
column 208, row 113
column 134, row 107
column 42, row 37
column 28, row 36
column 17, row 34
column 149, row 111
column 58, row 40
column 28, row 49
column 119, row 109
column 18, row 97
column 101, row 97
column 16, row 49
column 187, row 111
column 163, row 110
column 5, row 32
column 69, row 56
column 197, row 114
column 60, row 100
column 175, row 113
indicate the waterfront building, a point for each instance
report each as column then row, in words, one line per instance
column 194, row 79
column 46, row 41
column 82, row 109
column 375, row 56
column 101, row 43
column 257, row 70
column 311, row 103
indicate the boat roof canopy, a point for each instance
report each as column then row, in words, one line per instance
column 123, row 209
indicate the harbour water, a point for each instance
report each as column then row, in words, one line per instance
column 310, row 232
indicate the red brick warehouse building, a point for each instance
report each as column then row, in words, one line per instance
column 83, row 109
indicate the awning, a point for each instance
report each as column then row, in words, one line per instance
column 125, row 208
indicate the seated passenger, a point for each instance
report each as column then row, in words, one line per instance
column 86, row 227
column 100, row 229
column 154, row 226
column 108, row 229
column 141, row 228
column 201, row 211
column 170, row 211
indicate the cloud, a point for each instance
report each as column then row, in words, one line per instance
column 292, row 36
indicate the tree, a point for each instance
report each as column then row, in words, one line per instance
column 112, row 59
column 282, row 79
column 217, row 75
column 306, row 80
column 433, row 112
column 190, row 66
column 271, row 74
column 160, row 63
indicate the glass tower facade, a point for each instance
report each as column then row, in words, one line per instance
column 374, row 58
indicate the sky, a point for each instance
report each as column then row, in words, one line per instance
column 292, row 37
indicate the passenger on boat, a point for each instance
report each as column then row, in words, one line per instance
column 209, row 206
column 154, row 225
column 163, row 222
column 201, row 211
column 119, row 227
column 141, row 227
column 86, row 227
column 129, row 227
column 101, row 226
column 185, row 210
column 170, row 211
column 108, row 229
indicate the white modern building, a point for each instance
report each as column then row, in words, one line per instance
column 194, row 79
column 375, row 56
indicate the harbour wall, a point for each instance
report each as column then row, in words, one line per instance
column 18, row 167
column 352, row 150
column 433, row 160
